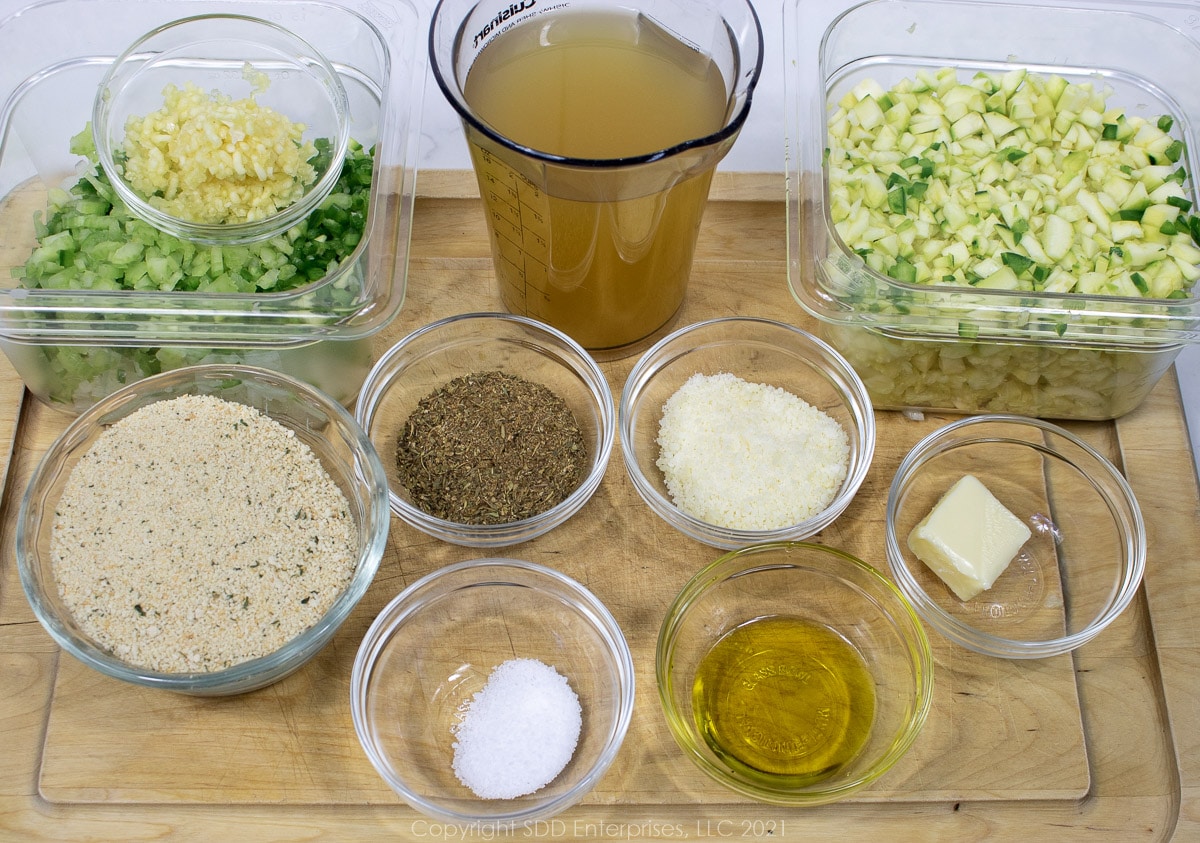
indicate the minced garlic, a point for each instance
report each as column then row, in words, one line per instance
column 207, row 158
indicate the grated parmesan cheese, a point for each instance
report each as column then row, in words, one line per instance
column 749, row 456
column 205, row 157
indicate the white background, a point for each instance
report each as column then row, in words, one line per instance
column 759, row 148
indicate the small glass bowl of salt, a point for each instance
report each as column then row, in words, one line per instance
column 741, row 430
column 493, row 690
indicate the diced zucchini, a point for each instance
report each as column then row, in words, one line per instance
column 1003, row 278
column 1011, row 181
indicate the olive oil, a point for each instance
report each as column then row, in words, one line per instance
column 783, row 696
column 601, row 249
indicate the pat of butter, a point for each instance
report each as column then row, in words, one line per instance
column 969, row 538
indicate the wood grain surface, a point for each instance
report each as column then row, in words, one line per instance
column 1097, row 745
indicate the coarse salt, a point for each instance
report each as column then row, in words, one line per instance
column 749, row 456
column 518, row 732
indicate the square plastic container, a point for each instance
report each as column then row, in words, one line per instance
column 73, row 347
column 966, row 349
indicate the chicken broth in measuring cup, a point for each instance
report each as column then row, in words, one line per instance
column 594, row 133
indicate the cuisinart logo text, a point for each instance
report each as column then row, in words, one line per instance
column 512, row 10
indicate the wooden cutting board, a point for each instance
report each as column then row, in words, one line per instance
column 1096, row 745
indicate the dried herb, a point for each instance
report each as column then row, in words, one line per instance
column 490, row 448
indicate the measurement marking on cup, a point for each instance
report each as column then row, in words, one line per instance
column 519, row 223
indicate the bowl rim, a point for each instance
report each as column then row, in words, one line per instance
column 1118, row 497
column 380, row 377
column 241, row 677
column 741, row 562
column 229, row 233
column 483, row 572
column 860, row 409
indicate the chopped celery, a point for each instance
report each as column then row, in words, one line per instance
column 88, row 240
column 89, row 230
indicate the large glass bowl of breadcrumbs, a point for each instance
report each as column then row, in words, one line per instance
column 206, row 530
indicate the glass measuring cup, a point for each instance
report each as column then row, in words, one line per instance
column 595, row 235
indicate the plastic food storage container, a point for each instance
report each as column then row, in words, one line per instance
column 72, row 347
column 968, row 349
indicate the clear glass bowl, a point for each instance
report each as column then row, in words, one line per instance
column 758, row 351
column 432, row 648
column 318, row 421
column 73, row 347
column 967, row 349
column 1079, row 570
column 823, row 586
column 214, row 52
column 470, row 343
